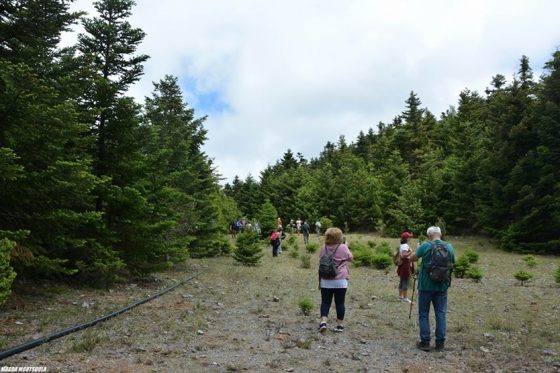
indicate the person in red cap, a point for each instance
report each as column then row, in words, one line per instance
column 405, row 268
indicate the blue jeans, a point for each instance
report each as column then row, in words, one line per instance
column 439, row 299
column 326, row 300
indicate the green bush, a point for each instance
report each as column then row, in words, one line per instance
column 471, row 255
column 7, row 274
column 530, row 260
column 248, row 250
column 474, row 273
column 292, row 240
column 382, row 261
column 523, row 276
column 306, row 306
column 461, row 266
column 363, row 255
column 305, row 261
column 371, row 244
column 293, row 254
column 312, row 247
column 557, row 275
column 296, row 247
column 384, row 249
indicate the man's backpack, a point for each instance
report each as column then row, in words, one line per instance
column 397, row 258
column 441, row 263
column 327, row 269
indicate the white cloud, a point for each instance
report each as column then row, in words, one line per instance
column 298, row 73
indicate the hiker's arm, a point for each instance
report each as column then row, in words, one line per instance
column 412, row 257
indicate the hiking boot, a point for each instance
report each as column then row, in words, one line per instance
column 423, row 345
column 440, row 346
column 339, row 329
column 322, row 327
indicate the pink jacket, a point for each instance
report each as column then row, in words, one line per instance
column 341, row 259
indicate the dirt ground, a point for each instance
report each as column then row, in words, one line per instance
column 235, row 318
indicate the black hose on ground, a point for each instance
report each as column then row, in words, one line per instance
column 50, row 337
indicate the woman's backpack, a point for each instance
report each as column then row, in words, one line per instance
column 327, row 268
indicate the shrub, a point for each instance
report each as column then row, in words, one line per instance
column 292, row 240
column 305, row 261
column 306, row 306
column 474, row 273
column 7, row 274
column 471, row 255
column 382, row 261
column 296, row 247
column 371, row 244
column 384, row 249
column 523, row 276
column 461, row 266
column 530, row 260
column 557, row 275
column 294, row 254
column 312, row 247
column 248, row 250
column 363, row 255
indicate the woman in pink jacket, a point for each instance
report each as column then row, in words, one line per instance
column 335, row 286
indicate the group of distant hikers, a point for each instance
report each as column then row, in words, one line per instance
column 242, row 224
column 301, row 226
column 433, row 274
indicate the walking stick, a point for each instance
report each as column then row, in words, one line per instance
column 412, row 300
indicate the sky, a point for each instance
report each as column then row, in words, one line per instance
column 294, row 74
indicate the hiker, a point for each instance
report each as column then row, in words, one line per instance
column 278, row 222
column 298, row 225
column 336, row 286
column 318, row 227
column 281, row 236
column 275, row 242
column 433, row 283
column 233, row 229
column 305, row 229
column 405, row 267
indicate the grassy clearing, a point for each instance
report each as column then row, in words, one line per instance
column 251, row 318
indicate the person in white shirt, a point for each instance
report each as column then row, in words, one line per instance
column 405, row 269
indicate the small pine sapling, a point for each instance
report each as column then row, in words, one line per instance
column 305, row 261
column 461, row 266
column 530, row 260
column 312, row 247
column 474, row 273
column 471, row 255
column 557, row 275
column 306, row 306
column 523, row 276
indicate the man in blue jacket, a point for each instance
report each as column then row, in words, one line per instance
column 434, row 279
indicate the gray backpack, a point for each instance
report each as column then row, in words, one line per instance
column 327, row 269
column 441, row 263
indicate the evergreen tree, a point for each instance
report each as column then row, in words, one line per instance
column 248, row 250
column 181, row 166
column 267, row 218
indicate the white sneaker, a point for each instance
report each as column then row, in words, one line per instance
column 407, row 300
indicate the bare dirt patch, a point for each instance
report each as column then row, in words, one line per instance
column 235, row 318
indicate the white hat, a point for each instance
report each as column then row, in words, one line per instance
column 433, row 230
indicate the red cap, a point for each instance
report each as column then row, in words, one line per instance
column 406, row 235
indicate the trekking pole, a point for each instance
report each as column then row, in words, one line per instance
column 412, row 300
